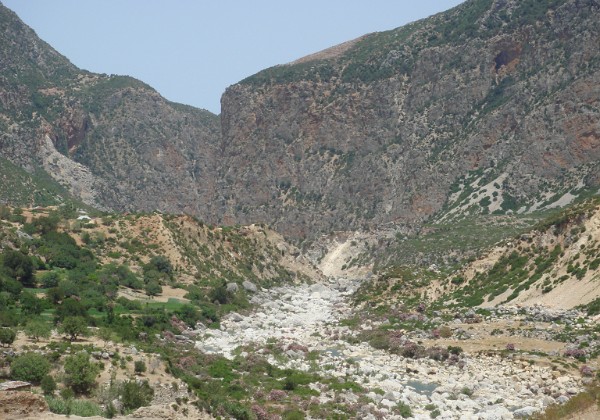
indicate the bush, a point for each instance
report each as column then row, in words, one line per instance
column 404, row 410
column 80, row 373
column 7, row 336
column 139, row 367
column 445, row 332
column 69, row 406
column 49, row 280
column 29, row 367
column 48, row 385
column 136, row 394
column 153, row 288
column 19, row 266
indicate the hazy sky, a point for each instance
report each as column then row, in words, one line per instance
column 191, row 50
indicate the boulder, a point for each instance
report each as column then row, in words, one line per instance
column 249, row 286
column 525, row 412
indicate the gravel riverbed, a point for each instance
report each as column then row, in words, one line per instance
column 305, row 318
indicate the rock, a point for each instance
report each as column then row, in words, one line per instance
column 525, row 412
column 249, row 286
column 117, row 404
column 235, row 317
column 105, row 356
column 22, row 404
column 232, row 287
column 562, row 399
column 14, row 386
column 390, row 395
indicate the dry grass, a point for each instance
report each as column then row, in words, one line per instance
column 585, row 402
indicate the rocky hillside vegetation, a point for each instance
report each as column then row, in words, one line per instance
column 90, row 303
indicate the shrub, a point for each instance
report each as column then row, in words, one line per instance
column 69, row 406
column 80, row 373
column 7, row 336
column 19, row 266
column 49, row 280
column 404, row 410
column 153, row 288
column 29, row 367
column 139, row 367
column 48, row 385
column 136, row 394
column 445, row 332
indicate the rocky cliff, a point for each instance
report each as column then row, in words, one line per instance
column 492, row 106
column 113, row 141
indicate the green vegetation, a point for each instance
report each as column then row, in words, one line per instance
column 29, row 367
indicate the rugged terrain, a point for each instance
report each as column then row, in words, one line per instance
column 491, row 107
column 111, row 141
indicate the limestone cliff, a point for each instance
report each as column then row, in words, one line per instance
column 400, row 125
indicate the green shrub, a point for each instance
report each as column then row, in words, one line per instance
column 74, row 327
column 136, row 394
column 29, row 367
column 404, row 410
column 48, row 385
column 139, row 367
column 80, row 373
column 7, row 336
column 68, row 407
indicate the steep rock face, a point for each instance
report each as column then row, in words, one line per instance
column 123, row 146
column 386, row 128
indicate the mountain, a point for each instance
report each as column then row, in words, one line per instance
column 112, row 141
column 491, row 107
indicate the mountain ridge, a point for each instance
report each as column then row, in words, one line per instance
column 490, row 107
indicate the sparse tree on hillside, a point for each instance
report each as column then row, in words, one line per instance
column 74, row 327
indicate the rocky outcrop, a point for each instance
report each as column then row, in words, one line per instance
column 385, row 130
column 21, row 404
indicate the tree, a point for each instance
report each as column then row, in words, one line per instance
column 105, row 334
column 31, row 304
column 74, row 327
column 7, row 336
column 29, row 367
column 153, row 288
column 161, row 263
column 70, row 307
column 36, row 329
column 80, row 373
column 19, row 266
column 49, row 279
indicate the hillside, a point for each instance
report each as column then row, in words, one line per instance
column 555, row 265
column 491, row 107
column 111, row 141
